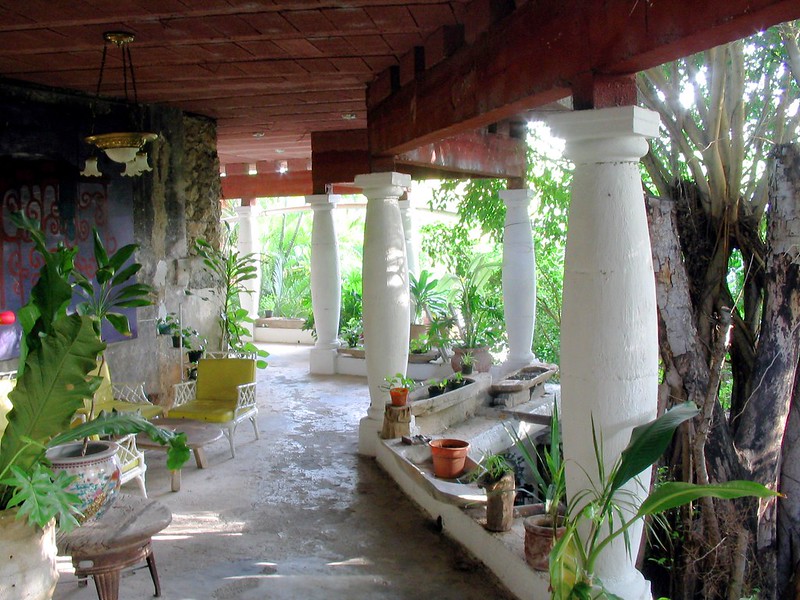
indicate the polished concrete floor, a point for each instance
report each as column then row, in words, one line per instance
column 298, row 514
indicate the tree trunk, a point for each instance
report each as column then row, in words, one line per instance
column 785, row 197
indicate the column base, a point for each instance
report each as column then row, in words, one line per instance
column 512, row 364
column 368, row 436
column 322, row 361
column 633, row 587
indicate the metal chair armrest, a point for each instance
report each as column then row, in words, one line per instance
column 130, row 392
column 246, row 396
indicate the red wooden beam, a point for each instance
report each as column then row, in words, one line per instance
column 265, row 185
column 469, row 155
column 534, row 56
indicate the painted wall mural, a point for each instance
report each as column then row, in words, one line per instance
column 69, row 207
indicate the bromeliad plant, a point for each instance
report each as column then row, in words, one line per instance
column 58, row 356
column 597, row 516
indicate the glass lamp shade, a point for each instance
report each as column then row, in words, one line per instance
column 123, row 154
column 131, row 169
column 141, row 162
column 90, row 168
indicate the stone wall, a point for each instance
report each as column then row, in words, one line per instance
column 173, row 205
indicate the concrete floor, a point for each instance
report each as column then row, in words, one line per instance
column 298, row 514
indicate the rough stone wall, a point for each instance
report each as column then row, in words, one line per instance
column 173, row 205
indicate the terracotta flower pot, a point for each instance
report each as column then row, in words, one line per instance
column 399, row 396
column 98, row 473
column 449, row 457
column 540, row 536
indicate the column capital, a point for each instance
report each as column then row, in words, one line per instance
column 247, row 211
column 322, row 201
column 516, row 197
column 607, row 135
column 383, row 185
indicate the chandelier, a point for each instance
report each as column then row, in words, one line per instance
column 125, row 147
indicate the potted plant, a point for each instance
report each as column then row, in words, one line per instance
column 427, row 298
column 547, row 471
column 168, row 325
column 595, row 518
column 456, row 381
column 496, row 476
column 467, row 362
column 436, row 387
column 352, row 331
column 398, row 386
column 449, row 457
column 478, row 316
column 58, row 354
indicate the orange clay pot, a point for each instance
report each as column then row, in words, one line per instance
column 449, row 457
column 399, row 396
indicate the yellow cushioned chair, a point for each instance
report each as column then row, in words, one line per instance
column 8, row 379
column 224, row 393
column 124, row 397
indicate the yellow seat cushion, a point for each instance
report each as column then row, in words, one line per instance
column 205, row 410
column 129, row 465
column 217, row 378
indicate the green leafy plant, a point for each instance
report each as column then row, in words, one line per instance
column 398, row 380
column 597, row 516
column 351, row 333
column 168, row 325
column 491, row 469
column 478, row 316
column 58, row 354
column 547, row 467
column 426, row 295
column 467, row 359
column 232, row 270
column 419, row 345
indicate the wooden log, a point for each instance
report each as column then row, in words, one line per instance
column 396, row 421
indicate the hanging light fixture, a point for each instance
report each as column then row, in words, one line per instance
column 120, row 146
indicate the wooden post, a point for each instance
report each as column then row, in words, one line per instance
column 396, row 421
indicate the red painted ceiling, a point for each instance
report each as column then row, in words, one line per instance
column 269, row 72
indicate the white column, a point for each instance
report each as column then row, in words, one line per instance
column 409, row 231
column 326, row 285
column 386, row 305
column 519, row 278
column 249, row 244
column 609, row 331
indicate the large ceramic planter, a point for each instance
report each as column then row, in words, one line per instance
column 97, row 473
column 27, row 559
column 482, row 360
column 449, row 457
column 500, row 502
column 540, row 536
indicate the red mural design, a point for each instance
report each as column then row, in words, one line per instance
column 68, row 209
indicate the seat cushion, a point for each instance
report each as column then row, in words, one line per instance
column 205, row 410
column 217, row 378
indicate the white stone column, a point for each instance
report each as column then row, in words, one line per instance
column 519, row 278
column 409, row 231
column 386, row 304
column 326, row 285
column 247, row 217
column 609, row 331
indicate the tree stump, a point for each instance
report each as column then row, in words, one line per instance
column 396, row 422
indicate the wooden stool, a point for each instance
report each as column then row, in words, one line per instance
column 396, row 421
column 119, row 538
